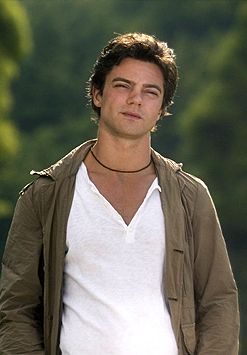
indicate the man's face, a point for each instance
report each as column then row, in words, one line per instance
column 130, row 104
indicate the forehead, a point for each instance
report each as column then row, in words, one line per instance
column 138, row 71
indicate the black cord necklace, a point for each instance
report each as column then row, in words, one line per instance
column 120, row 171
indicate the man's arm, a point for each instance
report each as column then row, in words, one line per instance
column 217, row 313
column 21, row 315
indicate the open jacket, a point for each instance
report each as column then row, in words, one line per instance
column 199, row 286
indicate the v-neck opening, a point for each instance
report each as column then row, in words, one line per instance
column 154, row 185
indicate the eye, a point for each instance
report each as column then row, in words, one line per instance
column 152, row 93
column 121, row 85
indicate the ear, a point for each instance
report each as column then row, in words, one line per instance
column 97, row 97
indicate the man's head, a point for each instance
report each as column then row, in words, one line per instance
column 137, row 46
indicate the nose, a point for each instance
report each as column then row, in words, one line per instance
column 135, row 96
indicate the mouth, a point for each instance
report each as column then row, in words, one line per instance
column 132, row 115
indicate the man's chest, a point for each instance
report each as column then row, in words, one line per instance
column 126, row 196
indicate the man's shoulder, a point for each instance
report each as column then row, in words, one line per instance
column 173, row 170
column 64, row 168
column 68, row 165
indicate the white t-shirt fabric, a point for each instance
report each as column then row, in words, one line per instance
column 113, row 302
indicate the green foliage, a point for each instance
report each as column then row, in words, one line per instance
column 214, row 128
column 14, row 28
column 10, row 140
column 14, row 44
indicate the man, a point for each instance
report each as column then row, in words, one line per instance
column 114, row 249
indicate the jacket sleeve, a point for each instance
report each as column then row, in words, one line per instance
column 21, row 283
column 217, row 313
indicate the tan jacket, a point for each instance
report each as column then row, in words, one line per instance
column 199, row 285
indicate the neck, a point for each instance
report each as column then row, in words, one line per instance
column 121, row 171
column 123, row 155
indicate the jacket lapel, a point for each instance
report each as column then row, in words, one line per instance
column 175, row 236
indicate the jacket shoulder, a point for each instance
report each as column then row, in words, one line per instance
column 63, row 168
column 186, row 180
column 191, row 188
column 68, row 165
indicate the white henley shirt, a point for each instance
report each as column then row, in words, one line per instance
column 113, row 291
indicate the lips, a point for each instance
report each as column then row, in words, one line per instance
column 132, row 115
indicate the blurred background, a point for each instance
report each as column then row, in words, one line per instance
column 47, row 49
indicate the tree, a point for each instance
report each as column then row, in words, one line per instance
column 15, row 42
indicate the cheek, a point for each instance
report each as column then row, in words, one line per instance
column 111, row 101
column 157, row 110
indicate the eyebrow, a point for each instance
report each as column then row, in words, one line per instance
column 154, row 86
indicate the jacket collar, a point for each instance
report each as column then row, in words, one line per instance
column 167, row 172
column 69, row 165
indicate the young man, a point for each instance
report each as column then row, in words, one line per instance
column 114, row 249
